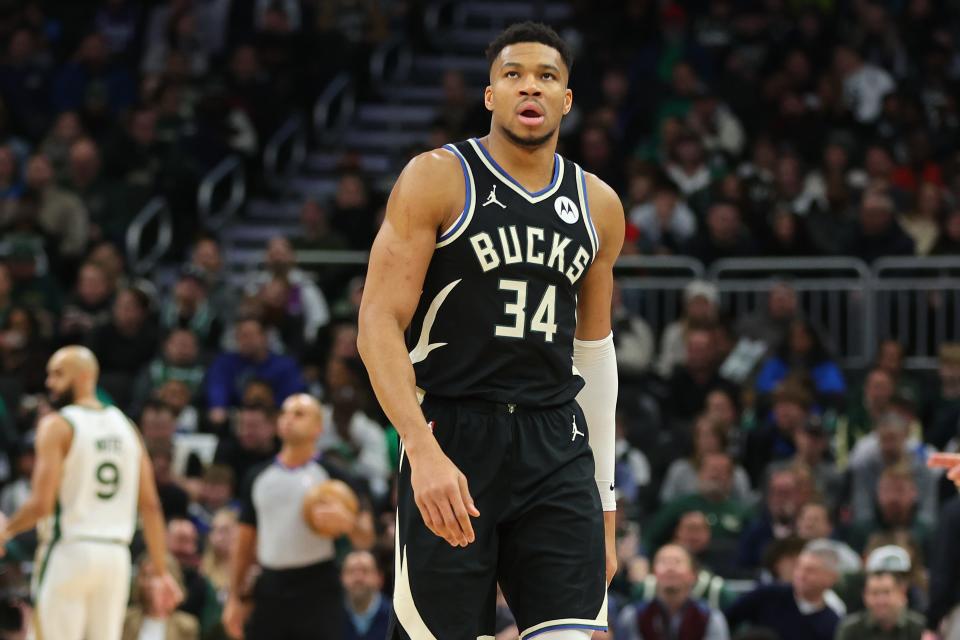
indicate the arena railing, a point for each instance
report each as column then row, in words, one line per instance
column 918, row 304
column 284, row 153
column 334, row 108
column 835, row 293
column 229, row 172
column 652, row 286
column 155, row 212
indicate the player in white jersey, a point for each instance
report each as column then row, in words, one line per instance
column 91, row 474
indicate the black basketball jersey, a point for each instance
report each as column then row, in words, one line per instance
column 497, row 314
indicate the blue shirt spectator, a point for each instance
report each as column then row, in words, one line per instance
column 803, row 354
column 368, row 612
column 230, row 372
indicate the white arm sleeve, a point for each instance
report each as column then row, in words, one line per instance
column 596, row 361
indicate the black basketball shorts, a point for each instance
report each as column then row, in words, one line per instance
column 539, row 534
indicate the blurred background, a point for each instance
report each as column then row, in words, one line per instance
column 187, row 181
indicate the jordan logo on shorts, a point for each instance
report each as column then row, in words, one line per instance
column 576, row 432
column 492, row 198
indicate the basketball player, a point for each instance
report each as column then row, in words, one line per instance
column 91, row 474
column 497, row 254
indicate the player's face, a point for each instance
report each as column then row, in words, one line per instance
column 528, row 93
column 59, row 384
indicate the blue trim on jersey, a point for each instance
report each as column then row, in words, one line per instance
column 586, row 201
column 590, row 627
column 556, row 172
column 466, row 201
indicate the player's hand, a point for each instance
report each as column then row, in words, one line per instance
column 167, row 592
column 335, row 518
column 234, row 615
column 441, row 493
column 950, row 461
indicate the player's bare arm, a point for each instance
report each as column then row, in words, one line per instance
column 594, row 326
column 154, row 532
column 54, row 436
column 426, row 198
column 242, row 557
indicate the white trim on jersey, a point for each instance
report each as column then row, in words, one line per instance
column 505, row 178
column 460, row 225
column 585, row 208
column 597, row 624
column 423, row 347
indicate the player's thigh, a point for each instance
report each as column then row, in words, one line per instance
column 60, row 612
column 107, row 599
column 441, row 591
column 552, row 557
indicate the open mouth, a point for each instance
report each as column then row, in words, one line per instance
column 530, row 115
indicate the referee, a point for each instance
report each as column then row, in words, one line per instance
column 297, row 595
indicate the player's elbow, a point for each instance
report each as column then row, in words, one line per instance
column 368, row 327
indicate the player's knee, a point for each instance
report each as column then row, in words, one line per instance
column 566, row 634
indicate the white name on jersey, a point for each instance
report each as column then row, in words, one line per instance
column 532, row 248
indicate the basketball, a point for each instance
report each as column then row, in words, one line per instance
column 330, row 491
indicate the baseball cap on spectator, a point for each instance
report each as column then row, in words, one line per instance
column 889, row 558
column 701, row 288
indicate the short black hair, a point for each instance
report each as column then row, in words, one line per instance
column 530, row 31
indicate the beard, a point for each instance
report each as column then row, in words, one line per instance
column 527, row 143
column 61, row 400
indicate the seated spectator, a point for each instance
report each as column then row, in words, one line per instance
column 632, row 338
column 896, row 509
column 352, row 211
column 367, row 609
column 776, row 521
column 173, row 498
column 866, row 407
column 700, row 299
column 277, row 318
column 775, row 439
column 891, row 432
column 690, row 383
column 673, row 612
column 887, row 614
column 693, row 535
column 61, row 213
column 92, row 70
column 723, row 236
column 216, row 489
column 110, row 206
column 726, row 515
column 200, row 600
column 255, row 441
column 128, row 341
column 665, row 223
column 207, row 260
column 215, row 564
column 681, row 478
column 772, row 324
column 251, row 360
column 350, row 436
column 177, row 362
column 948, row 242
column 88, row 307
column 813, row 452
column 922, row 224
column 804, row 356
column 189, row 308
column 632, row 472
column 796, row 611
column 813, row 523
column 945, row 404
column 23, row 351
column 304, row 298
column 149, row 616
column 877, row 232
column 16, row 492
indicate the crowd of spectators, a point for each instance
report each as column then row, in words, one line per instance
column 787, row 492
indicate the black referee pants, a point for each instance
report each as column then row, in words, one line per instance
column 297, row 604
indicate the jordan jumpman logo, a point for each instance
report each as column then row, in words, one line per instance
column 492, row 198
